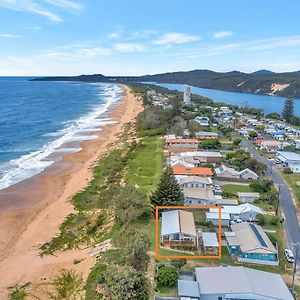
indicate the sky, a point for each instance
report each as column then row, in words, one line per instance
column 138, row 37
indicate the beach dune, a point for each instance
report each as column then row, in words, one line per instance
column 32, row 211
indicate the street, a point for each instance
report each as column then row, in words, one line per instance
column 291, row 223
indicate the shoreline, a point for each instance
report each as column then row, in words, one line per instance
column 37, row 206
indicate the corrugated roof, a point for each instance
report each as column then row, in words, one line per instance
column 188, row 288
column 210, row 239
column 177, row 221
column 240, row 280
column 183, row 141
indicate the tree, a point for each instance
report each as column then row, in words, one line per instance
column 193, row 126
column 167, row 276
column 130, row 205
column 237, row 141
column 210, row 144
column 288, row 109
column 274, row 116
column 261, row 220
column 126, row 283
column 168, row 191
column 133, row 248
column 252, row 134
column 178, row 263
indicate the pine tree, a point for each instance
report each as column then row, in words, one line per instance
column 168, row 191
column 288, row 109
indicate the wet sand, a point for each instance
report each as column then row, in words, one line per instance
column 32, row 210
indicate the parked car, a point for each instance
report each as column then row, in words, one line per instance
column 289, row 255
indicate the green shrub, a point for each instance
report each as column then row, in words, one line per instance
column 167, row 276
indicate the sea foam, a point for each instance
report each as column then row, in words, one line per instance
column 37, row 161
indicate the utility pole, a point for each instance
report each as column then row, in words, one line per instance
column 277, row 202
column 295, row 268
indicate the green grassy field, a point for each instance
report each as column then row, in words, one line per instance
column 146, row 164
column 292, row 180
column 235, row 188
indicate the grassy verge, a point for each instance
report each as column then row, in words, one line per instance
column 235, row 188
column 293, row 181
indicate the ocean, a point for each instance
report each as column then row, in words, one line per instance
column 40, row 121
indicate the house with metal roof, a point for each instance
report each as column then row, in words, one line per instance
column 199, row 196
column 206, row 135
column 246, row 212
column 226, row 172
column 290, row 159
column 213, row 217
column 249, row 243
column 209, row 242
column 203, row 157
column 248, row 197
column 178, row 228
column 188, row 290
column 237, row 283
column 248, row 174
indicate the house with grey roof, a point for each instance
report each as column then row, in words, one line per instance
column 178, row 228
column 188, row 290
column 246, row 212
column 209, row 242
column 249, row 243
column 290, row 159
column 248, row 197
column 235, row 283
column 248, row 174
column 226, row 172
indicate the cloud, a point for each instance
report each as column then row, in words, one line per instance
column 30, row 6
column 75, row 52
column 66, row 4
column 34, row 28
column 246, row 46
column 175, row 38
column 33, row 7
column 129, row 47
column 9, row 36
column 222, row 34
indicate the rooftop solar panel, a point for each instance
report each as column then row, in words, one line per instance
column 257, row 234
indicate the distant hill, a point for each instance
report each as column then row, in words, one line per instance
column 263, row 71
column 259, row 82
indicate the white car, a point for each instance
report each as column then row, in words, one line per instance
column 289, row 255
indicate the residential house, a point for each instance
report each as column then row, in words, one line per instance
column 199, row 196
column 227, row 202
column 245, row 212
column 194, row 182
column 177, row 161
column 206, row 135
column 203, row 157
column 270, row 146
column 203, row 121
column 209, row 242
column 290, row 160
column 182, row 143
column 248, row 197
column 226, row 172
column 170, row 151
column 228, row 282
column 193, row 171
column 297, row 144
column 248, row 174
column 178, row 228
column 249, row 243
column 188, row 290
column 213, row 216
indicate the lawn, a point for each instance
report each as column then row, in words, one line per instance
column 292, row 180
column 146, row 164
column 235, row 188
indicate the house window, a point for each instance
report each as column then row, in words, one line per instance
column 199, row 201
column 192, row 185
column 220, row 298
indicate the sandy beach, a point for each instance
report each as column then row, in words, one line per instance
column 32, row 211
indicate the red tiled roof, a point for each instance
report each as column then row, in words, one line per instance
column 192, row 171
column 259, row 141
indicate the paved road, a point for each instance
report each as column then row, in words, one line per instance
column 291, row 223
